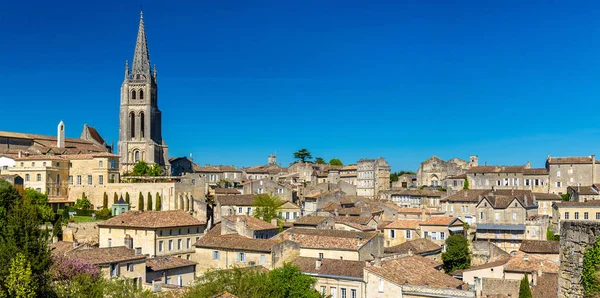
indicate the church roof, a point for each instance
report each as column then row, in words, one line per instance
column 141, row 56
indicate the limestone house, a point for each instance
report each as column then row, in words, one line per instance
column 509, row 177
column 315, row 222
column 583, row 193
column 438, row 229
column 543, row 249
column 502, row 215
column 335, row 278
column 118, row 261
column 268, row 186
column 171, row 271
column 405, row 181
column 223, row 251
column 545, row 201
column 155, row 233
column 230, row 205
column 355, row 223
column 226, row 192
column 316, row 201
column 575, row 211
column 572, row 171
column 214, row 174
column 335, row 244
column 417, row 198
column 348, row 174
column 514, row 267
column 422, row 247
column 249, row 226
column 289, row 212
column 410, row 276
column 400, row 231
column 463, row 204
column 455, row 183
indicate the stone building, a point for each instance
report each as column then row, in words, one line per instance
column 373, row 176
column 509, row 177
column 115, row 261
column 336, row 278
column 140, row 126
column 268, row 186
column 584, row 193
column 433, row 170
column 413, row 197
column 572, row 171
column 405, row 181
column 348, row 174
column 575, row 211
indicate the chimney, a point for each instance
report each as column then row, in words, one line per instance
column 128, row 241
column 291, row 235
column 526, row 258
column 60, row 138
column 377, row 262
column 410, row 252
column 75, row 243
column 359, row 238
column 20, row 154
column 318, row 264
column 274, row 221
column 593, row 168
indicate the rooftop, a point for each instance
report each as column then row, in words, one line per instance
column 540, row 246
column 236, row 200
column 252, row 222
column 332, row 239
column 153, row 219
column 404, row 224
column 418, row 246
column 331, row 267
column 310, row 220
column 236, row 242
column 164, row 263
column 414, row 270
column 106, row 255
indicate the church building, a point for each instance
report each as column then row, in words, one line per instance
column 140, row 126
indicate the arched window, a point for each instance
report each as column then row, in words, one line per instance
column 141, row 94
column 137, row 156
column 142, row 126
column 132, row 124
column 133, row 94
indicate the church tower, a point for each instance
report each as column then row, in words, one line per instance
column 140, row 126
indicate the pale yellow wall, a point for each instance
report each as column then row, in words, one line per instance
column 149, row 240
column 204, row 258
column 139, row 270
column 337, row 285
column 545, row 207
column 437, row 230
column 400, row 236
column 330, row 253
column 390, row 290
column 492, row 272
column 48, row 169
column 591, row 210
column 461, row 210
column 187, row 274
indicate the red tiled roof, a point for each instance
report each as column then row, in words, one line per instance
column 331, row 267
column 164, row 263
column 415, row 271
column 105, row 255
column 333, row 239
column 252, row 222
column 153, row 219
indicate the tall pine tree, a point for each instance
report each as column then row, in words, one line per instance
column 141, row 202
column 149, row 202
column 158, row 202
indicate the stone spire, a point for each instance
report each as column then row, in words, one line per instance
column 141, row 57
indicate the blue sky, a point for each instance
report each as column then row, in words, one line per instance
column 510, row 81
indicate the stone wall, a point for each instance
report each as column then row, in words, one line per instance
column 484, row 252
column 575, row 238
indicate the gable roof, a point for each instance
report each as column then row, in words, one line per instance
column 362, row 220
column 310, row 220
column 164, row 263
column 414, row 270
column 327, row 239
column 331, row 267
column 547, row 286
column 252, row 222
column 411, row 224
column 540, row 247
column 570, row 160
column 235, row 200
column 357, row 226
column 441, row 221
column 418, row 246
column 153, row 219
column 227, row 191
column 501, row 199
column 236, row 242
column 105, row 255
column 468, row 195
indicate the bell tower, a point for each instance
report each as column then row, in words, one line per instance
column 140, row 125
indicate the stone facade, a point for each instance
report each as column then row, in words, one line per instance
column 572, row 171
column 509, row 177
column 575, row 238
column 433, row 170
column 373, row 176
column 140, row 126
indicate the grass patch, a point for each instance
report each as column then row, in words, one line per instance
column 79, row 218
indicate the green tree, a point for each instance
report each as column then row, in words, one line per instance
column 457, row 254
column 155, row 170
column 550, row 236
column 320, row 161
column 105, row 201
column 524, row 289
column 8, row 195
column 83, row 203
column 466, row 184
column 565, row 197
column 589, row 274
column 335, row 162
column 115, row 198
column 141, row 202
column 141, row 168
column 40, row 201
column 149, row 201
column 127, row 198
column 287, row 281
column 19, row 282
column 303, row 155
column 158, row 202
column 266, row 206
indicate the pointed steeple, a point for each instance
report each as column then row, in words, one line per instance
column 141, row 57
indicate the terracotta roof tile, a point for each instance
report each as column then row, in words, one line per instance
column 535, row 171
column 334, row 239
column 418, row 246
column 310, row 220
column 416, row 271
column 359, row 227
column 547, row 286
column 592, row 203
column 362, row 220
column 523, row 262
column 236, row 200
column 225, row 295
column 153, row 219
column 540, row 246
column 440, row 221
column 252, row 222
column 98, row 256
column 331, row 267
column 164, row 263
column 499, row 262
column 496, row 169
column 404, row 224
column 570, row 160
column 470, row 196
column 236, row 242
column 227, row 191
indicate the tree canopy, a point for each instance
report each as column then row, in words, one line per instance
column 320, row 161
column 457, row 254
column 267, row 206
column 141, row 168
column 396, row 175
column 589, row 274
column 524, row 289
column 335, row 162
column 249, row 282
column 303, row 155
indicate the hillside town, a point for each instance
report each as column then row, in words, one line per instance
column 445, row 228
